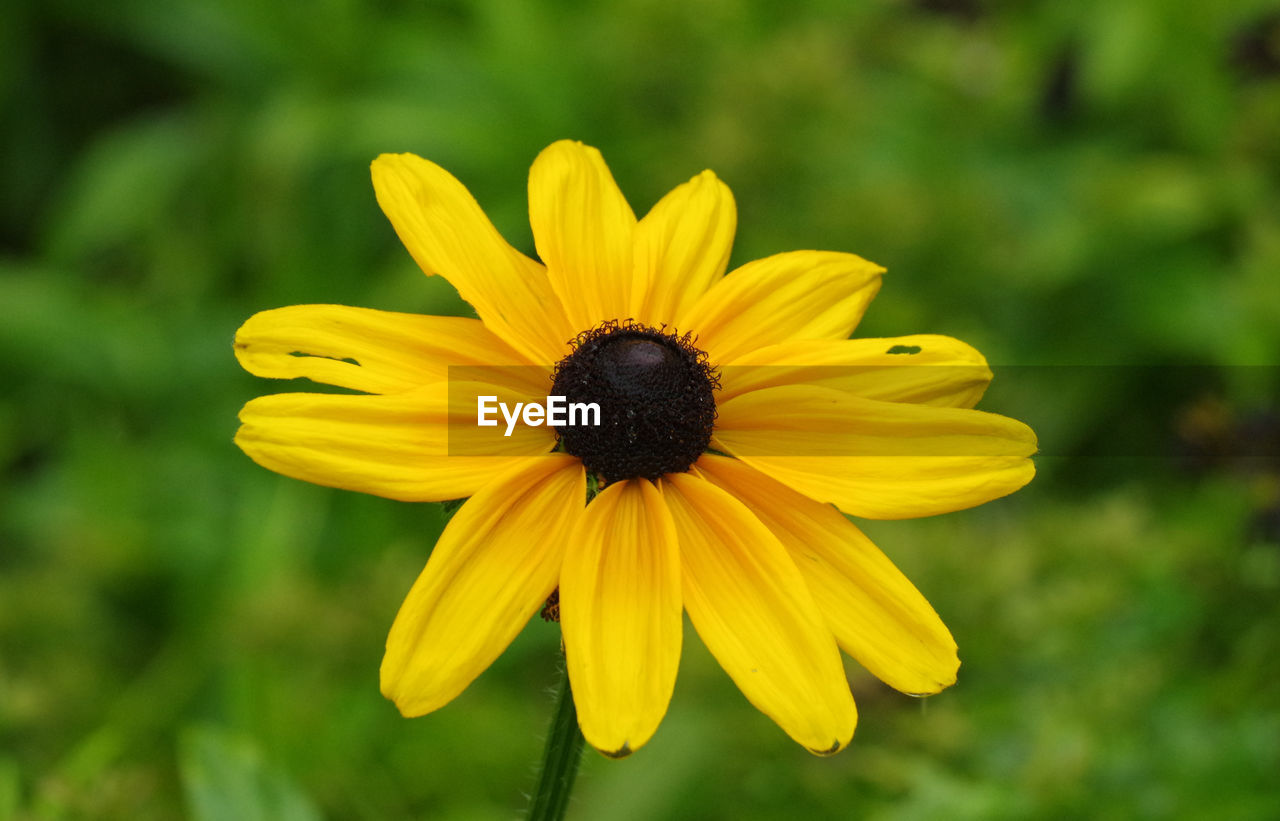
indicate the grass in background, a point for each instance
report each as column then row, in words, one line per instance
column 185, row 634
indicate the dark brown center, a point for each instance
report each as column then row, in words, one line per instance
column 656, row 393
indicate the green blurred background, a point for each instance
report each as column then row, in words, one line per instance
column 1088, row 192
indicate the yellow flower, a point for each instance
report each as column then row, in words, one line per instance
column 740, row 526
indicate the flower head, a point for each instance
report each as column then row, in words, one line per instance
column 739, row 424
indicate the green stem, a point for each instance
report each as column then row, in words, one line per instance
column 560, row 758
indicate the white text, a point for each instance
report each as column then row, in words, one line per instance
column 557, row 412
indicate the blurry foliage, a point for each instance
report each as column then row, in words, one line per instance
column 1064, row 185
column 227, row 781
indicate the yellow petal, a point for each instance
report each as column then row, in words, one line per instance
column 921, row 369
column 395, row 446
column 752, row 609
column 447, row 233
column 682, row 247
column 493, row 567
column 363, row 349
column 877, row 460
column 877, row 615
column 582, row 227
column 796, row 295
column 621, row 616
column 504, row 394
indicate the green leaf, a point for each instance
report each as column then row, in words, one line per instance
column 10, row 789
column 226, row 779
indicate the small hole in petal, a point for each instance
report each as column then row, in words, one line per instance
column 347, row 359
column 907, row 349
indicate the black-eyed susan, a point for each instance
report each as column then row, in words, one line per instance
column 739, row 423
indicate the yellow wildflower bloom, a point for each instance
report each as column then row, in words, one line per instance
column 752, row 418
